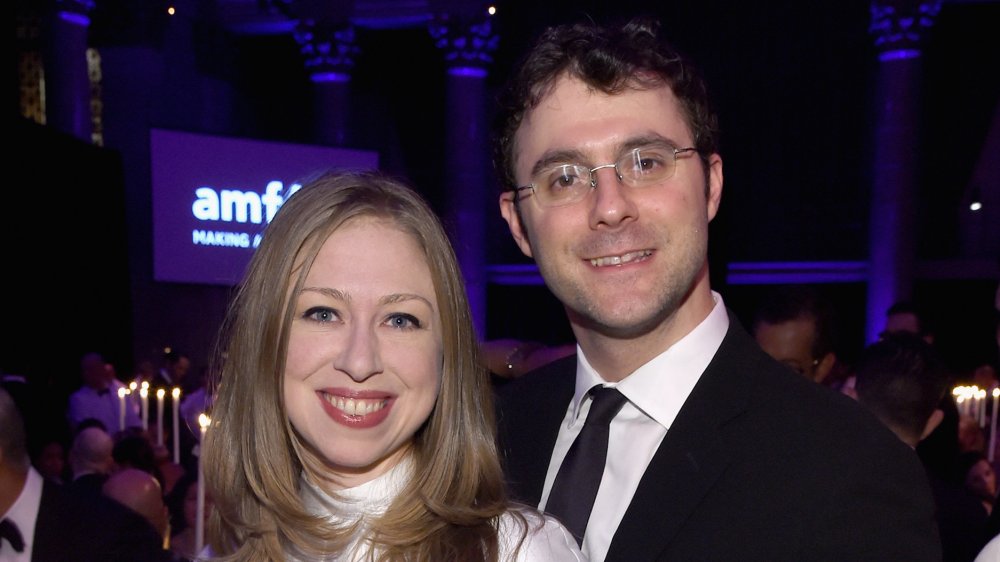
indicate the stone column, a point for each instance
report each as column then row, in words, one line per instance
column 898, row 27
column 329, row 52
column 468, row 47
column 67, row 83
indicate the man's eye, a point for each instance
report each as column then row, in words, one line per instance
column 564, row 178
column 649, row 160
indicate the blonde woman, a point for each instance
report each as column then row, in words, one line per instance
column 353, row 419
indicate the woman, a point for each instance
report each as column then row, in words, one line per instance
column 353, row 420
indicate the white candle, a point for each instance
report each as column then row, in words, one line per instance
column 981, row 415
column 160, row 393
column 993, row 424
column 121, row 408
column 199, row 535
column 177, row 425
column 144, row 395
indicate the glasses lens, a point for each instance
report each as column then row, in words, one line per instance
column 647, row 164
column 562, row 185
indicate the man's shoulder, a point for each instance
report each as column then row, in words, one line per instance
column 551, row 377
column 95, row 526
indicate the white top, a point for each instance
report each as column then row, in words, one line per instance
column 655, row 392
column 990, row 552
column 24, row 513
column 547, row 539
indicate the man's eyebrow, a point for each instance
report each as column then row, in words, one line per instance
column 557, row 157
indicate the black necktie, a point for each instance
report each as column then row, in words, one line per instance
column 9, row 531
column 579, row 476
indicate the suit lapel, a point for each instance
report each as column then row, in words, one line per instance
column 47, row 526
column 531, row 410
column 688, row 462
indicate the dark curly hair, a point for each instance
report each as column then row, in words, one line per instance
column 610, row 60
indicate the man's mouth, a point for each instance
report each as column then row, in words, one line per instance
column 622, row 259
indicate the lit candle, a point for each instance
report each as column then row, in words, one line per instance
column 981, row 414
column 177, row 425
column 144, row 395
column 199, row 536
column 993, row 423
column 160, row 393
column 121, row 408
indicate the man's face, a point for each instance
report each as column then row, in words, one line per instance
column 902, row 322
column 791, row 343
column 623, row 260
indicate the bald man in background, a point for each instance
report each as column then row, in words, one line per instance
column 140, row 491
column 90, row 460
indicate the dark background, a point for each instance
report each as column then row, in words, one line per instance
column 793, row 83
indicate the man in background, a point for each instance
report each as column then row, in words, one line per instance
column 795, row 325
column 44, row 521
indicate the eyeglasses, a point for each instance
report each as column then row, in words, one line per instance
column 565, row 184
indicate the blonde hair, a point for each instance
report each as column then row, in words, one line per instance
column 450, row 508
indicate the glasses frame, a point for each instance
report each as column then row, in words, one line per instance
column 593, row 178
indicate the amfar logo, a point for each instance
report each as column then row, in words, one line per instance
column 232, row 205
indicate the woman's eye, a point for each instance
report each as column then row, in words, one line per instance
column 321, row 314
column 403, row 321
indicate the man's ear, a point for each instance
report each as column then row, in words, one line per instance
column 511, row 213
column 824, row 367
column 932, row 423
column 714, row 185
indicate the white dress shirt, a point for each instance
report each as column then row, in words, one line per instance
column 88, row 403
column 655, row 392
column 547, row 539
column 23, row 513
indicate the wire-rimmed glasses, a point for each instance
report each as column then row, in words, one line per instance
column 564, row 184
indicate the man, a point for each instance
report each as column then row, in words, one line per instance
column 906, row 316
column 608, row 151
column 902, row 380
column 97, row 397
column 794, row 326
column 175, row 369
column 43, row 521
column 90, row 460
column 139, row 491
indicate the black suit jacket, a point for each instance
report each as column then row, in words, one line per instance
column 77, row 528
column 760, row 464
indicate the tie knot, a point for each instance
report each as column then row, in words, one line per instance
column 605, row 404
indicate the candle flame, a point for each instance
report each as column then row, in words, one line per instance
column 143, row 392
column 145, row 384
column 133, row 385
column 204, row 421
column 160, row 393
column 996, row 393
column 176, row 393
column 122, row 392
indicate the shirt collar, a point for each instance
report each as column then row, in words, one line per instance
column 24, row 511
column 660, row 387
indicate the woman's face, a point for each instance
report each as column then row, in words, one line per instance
column 364, row 350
